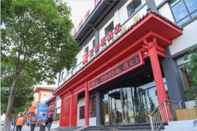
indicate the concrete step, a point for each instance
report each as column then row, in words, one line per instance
column 64, row 129
column 184, row 125
column 134, row 127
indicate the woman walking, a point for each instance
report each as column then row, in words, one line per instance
column 19, row 122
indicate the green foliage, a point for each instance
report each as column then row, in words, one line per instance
column 57, row 117
column 36, row 45
column 191, row 93
column 193, row 68
column 23, row 93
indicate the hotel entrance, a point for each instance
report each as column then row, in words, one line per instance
column 129, row 99
column 128, row 105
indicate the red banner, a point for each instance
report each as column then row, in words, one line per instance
column 121, row 68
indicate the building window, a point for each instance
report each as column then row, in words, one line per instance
column 94, row 43
column 131, row 8
column 86, row 55
column 109, row 28
column 93, row 48
column 184, row 11
column 93, row 105
column 81, row 112
column 86, row 50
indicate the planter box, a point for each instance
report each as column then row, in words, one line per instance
column 186, row 114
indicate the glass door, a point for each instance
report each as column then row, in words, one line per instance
column 128, row 105
column 116, row 113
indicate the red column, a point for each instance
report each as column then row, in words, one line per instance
column 86, row 106
column 62, row 112
column 71, row 110
column 160, row 87
column 74, row 110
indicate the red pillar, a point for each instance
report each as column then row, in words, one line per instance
column 73, row 116
column 160, row 87
column 75, row 110
column 62, row 112
column 86, row 106
column 71, row 110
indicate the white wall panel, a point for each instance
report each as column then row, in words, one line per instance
column 166, row 12
column 186, row 40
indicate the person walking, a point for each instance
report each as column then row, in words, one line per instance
column 33, row 121
column 49, row 122
column 13, row 124
column 19, row 122
column 42, row 124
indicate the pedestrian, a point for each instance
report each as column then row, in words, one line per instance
column 33, row 121
column 28, row 121
column 42, row 124
column 49, row 122
column 19, row 122
column 13, row 124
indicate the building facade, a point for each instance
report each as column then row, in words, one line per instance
column 43, row 93
column 131, row 61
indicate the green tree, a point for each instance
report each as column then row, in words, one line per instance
column 193, row 67
column 191, row 93
column 36, row 43
column 23, row 94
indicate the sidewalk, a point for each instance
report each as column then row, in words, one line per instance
column 27, row 128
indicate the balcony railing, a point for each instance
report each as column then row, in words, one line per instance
column 125, row 26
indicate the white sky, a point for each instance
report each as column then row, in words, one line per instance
column 79, row 9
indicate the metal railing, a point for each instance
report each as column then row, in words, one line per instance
column 158, row 118
column 155, row 120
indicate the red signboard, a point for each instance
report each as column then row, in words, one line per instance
column 102, row 44
column 121, row 68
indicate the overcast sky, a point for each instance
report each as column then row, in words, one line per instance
column 79, row 9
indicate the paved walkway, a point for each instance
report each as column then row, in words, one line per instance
column 27, row 128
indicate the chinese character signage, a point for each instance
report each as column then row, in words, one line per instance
column 124, row 66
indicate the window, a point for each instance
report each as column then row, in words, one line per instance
column 86, row 55
column 184, row 10
column 91, row 52
column 131, row 8
column 109, row 28
column 81, row 112
column 94, row 43
column 86, row 50
column 93, row 47
column 93, row 105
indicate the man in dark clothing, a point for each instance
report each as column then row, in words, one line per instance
column 42, row 124
column 49, row 122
